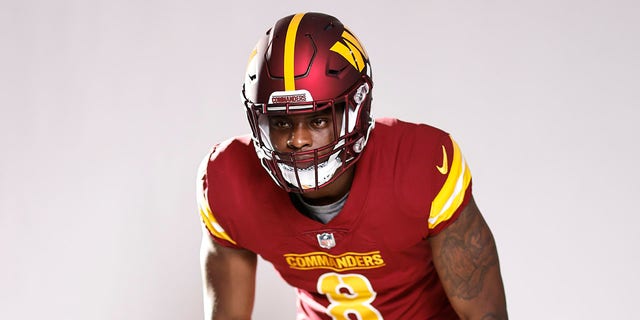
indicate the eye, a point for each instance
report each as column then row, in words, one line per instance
column 279, row 123
column 320, row 122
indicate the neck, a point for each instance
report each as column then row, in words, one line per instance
column 331, row 192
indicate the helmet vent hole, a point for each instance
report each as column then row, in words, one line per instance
column 333, row 72
column 328, row 27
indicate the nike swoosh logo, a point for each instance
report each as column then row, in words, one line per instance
column 445, row 163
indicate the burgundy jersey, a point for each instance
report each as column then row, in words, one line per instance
column 373, row 260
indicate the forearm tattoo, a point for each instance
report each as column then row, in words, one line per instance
column 468, row 252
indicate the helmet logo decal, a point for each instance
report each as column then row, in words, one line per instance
column 352, row 51
column 289, row 52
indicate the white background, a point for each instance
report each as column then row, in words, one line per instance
column 107, row 107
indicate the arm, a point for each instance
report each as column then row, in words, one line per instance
column 228, row 278
column 466, row 260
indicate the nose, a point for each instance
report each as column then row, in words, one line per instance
column 299, row 137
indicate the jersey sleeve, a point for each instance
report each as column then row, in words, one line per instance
column 208, row 218
column 453, row 185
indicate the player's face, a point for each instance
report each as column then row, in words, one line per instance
column 304, row 132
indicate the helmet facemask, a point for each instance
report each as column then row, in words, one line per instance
column 309, row 170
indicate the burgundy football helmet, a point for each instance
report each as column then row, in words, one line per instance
column 309, row 62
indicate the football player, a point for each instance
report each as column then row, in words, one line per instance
column 367, row 218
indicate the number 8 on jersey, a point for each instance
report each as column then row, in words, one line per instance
column 348, row 294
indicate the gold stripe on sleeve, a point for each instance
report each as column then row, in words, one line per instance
column 203, row 205
column 452, row 193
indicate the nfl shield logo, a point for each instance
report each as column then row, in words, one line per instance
column 326, row 240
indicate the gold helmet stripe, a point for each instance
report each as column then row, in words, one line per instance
column 289, row 52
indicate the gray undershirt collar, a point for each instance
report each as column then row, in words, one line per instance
column 322, row 213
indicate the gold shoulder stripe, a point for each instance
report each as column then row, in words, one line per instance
column 203, row 205
column 453, row 190
column 289, row 52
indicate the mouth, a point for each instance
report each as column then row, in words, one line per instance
column 301, row 162
column 305, row 160
column 302, row 167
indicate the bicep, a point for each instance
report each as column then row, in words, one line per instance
column 228, row 280
column 466, row 260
